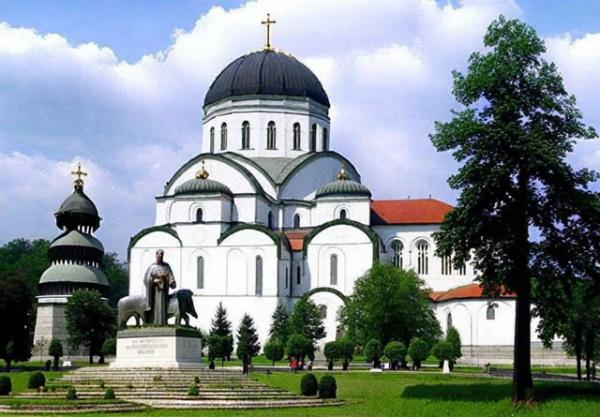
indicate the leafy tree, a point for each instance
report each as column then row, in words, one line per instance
column 443, row 351
column 217, row 348
column 117, row 274
column 16, row 311
column 109, row 347
column 27, row 258
column 346, row 347
column 512, row 138
column 306, row 320
column 90, row 321
column 280, row 324
column 40, row 347
column 418, row 350
column 300, row 347
column 453, row 337
column 396, row 353
column 332, row 352
column 274, row 350
column 389, row 304
column 247, row 342
column 373, row 351
column 56, row 351
column 221, row 327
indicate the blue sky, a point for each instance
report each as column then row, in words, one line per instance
column 119, row 85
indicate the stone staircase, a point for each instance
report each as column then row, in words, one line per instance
column 168, row 388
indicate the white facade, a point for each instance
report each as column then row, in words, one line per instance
column 238, row 253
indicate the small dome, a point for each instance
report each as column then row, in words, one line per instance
column 79, row 239
column 343, row 188
column 82, row 274
column 202, row 186
column 266, row 72
column 77, row 210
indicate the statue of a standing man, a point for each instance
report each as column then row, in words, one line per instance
column 158, row 279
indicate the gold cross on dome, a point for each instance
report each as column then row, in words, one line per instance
column 79, row 173
column 268, row 23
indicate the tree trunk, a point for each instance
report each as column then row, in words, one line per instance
column 578, row 343
column 522, row 381
column 8, row 361
column 101, row 359
column 91, row 357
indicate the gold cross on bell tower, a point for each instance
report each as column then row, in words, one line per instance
column 79, row 173
column 268, row 23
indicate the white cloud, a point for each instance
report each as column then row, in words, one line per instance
column 385, row 64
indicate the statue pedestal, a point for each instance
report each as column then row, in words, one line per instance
column 158, row 347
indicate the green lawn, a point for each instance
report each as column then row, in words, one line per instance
column 409, row 394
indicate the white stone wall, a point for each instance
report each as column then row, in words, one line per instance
column 329, row 208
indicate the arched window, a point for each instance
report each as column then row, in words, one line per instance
column 313, row 138
column 259, row 276
column 298, row 274
column 446, row 265
column 448, row 321
column 199, row 215
column 343, row 214
column 397, row 253
column 325, row 139
column 245, row 135
column 270, row 220
column 490, row 313
column 333, row 269
column 323, row 311
column 212, row 139
column 296, row 221
column 297, row 137
column 200, row 272
column 224, row 136
column 271, row 135
column 422, row 258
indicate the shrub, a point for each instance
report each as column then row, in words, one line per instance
column 327, row 387
column 193, row 391
column 346, row 351
column 5, row 385
column 109, row 394
column 36, row 380
column 332, row 352
column 48, row 365
column 443, row 351
column 396, row 353
column 274, row 350
column 299, row 347
column 56, row 351
column 109, row 347
column 197, row 379
column 308, row 385
column 71, row 393
column 373, row 352
column 418, row 351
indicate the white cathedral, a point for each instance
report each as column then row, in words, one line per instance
column 269, row 212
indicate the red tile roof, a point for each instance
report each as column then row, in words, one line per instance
column 418, row 211
column 465, row 291
column 296, row 238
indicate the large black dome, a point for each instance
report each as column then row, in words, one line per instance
column 266, row 72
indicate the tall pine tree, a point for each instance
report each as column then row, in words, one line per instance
column 280, row 324
column 512, row 137
column 220, row 334
column 306, row 320
column 247, row 342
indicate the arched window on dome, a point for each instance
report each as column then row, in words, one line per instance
column 297, row 137
column 397, row 248
column 200, row 272
column 270, row 220
column 271, row 135
column 245, row 135
column 298, row 274
column 259, row 276
column 422, row 257
column 490, row 313
column 212, row 139
column 333, row 269
column 343, row 214
column 325, row 139
column 296, row 221
column 199, row 216
column 313, row 138
column 224, row 136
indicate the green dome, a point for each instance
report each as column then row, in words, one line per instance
column 77, row 238
column 202, row 186
column 74, row 273
column 343, row 188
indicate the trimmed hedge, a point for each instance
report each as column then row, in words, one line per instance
column 71, row 394
column 109, row 394
column 327, row 387
column 5, row 385
column 193, row 391
column 36, row 380
column 309, row 385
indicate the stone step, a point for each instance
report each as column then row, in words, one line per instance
column 241, row 404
